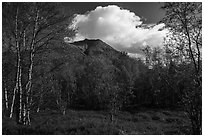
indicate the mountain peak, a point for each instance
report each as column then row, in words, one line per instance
column 93, row 46
column 87, row 41
column 91, row 40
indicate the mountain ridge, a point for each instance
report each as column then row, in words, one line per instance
column 91, row 46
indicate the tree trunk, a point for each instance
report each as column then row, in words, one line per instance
column 40, row 101
column 6, row 97
column 28, row 93
column 13, row 101
column 63, row 111
column 24, row 113
column 18, row 87
column 20, row 95
column 29, row 83
column 6, row 107
column 189, row 45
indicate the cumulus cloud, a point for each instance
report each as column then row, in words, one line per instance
column 118, row 27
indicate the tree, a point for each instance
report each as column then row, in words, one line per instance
column 184, row 20
column 185, row 23
column 32, row 26
column 14, row 25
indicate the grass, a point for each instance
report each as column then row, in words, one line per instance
column 145, row 122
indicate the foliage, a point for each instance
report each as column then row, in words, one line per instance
column 184, row 21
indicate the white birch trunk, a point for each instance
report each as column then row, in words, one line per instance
column 24, row 113
column 22, row 99
column 6, row 97
column 18, row 65
column 64, row 111
column 29, row 84
column 20, row 94
column 40, row 101
column 13, row 101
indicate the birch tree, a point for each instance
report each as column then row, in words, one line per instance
column 33, row 26
column 13, row 30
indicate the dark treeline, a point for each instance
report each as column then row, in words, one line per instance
column 42, row 72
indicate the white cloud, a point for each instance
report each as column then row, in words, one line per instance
column 117, row 27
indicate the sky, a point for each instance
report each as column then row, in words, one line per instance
column 148, row 10
column 119, row 24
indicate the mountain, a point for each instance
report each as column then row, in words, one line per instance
column 93, row 47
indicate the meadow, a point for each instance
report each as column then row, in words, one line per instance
column 83, row 122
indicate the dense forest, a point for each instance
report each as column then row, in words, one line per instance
column 43, row 74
